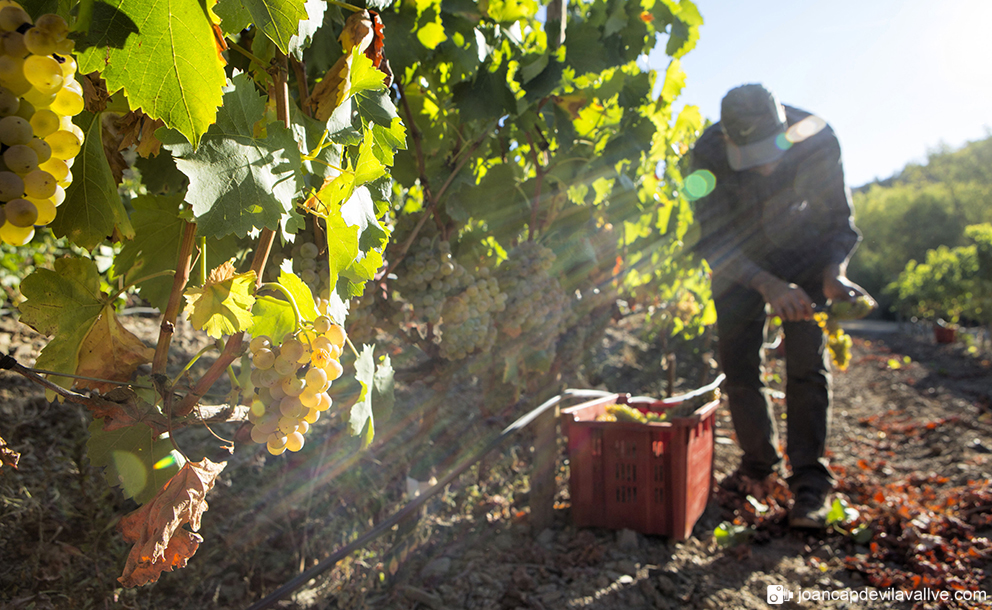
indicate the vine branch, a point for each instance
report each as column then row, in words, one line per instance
column 179, row 281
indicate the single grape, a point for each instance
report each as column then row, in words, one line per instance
column 16, row 236
column 290, row 406
column 259, row 342
column 13, row 17
column 287, row 425
column 14, row 130
column 324, row 402
column 333, row 369
column 303, row 426
column 263, row 359
column 55, row 167
column 25, row 110
column 68, row 102
column 13, row 44
column 59, row 196
column 292, row 349
column 64, row 49
column 68, row 65
column 40, row 148
column 316, row 377
column 270, row 378
column 284, row 366
column 20, row 159
column 268, row 423
column 21, row 213
column 336, row 335
column 309, row 250
column 65, row 144
column 312, row 416
column 54, row 25
column 40, row 43
column 8, row 102
column 293, row 386
column 276, row 444
column 11, row 186
column 294, row 442
column 309, row 396
column 308, row 264
column 275, row 390
column 322, row 324
column 39, row 184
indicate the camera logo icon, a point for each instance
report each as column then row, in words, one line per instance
column 778, row 594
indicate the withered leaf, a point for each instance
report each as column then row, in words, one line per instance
column 121, row 407
column 161, row 543
column 110, row 124
column 110, row 351
column 138, row 130
column 8, row 457
column 95, row 95
column 358, row 31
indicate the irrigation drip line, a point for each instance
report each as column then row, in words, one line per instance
column 417, row 502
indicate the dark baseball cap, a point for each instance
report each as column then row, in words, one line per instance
column 754, row 122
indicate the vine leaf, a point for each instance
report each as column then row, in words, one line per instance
column 8, row 457
column 161, row 543
column 361, row 422
column 383, row 398
column 223, row 305
column 136, row 458
column 65, row 303
column 239, row 181
column 169, row 66
column 272, row 317
column 300, row 291
column 353, row 73
column 92, row 210
column 110, row 351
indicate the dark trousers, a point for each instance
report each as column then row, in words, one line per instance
column 741, row 325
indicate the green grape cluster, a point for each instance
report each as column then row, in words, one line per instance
column 537, row 307
column 852, row 310
column 39, row 95
column 459, row 302
column 313, row 271
column 291, row 381
column 839, row 344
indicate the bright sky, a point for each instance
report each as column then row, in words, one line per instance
column 894, row 78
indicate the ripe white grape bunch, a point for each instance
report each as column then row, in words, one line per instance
column 291, row 381
column 39, row 95
column 537, row 303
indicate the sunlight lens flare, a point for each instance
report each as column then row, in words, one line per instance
column 165, row 462
column 699, row 184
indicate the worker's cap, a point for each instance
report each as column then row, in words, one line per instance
column 754, row 122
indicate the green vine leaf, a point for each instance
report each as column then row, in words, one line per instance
column 64, row 303
column 92, row 210
column 272, row 317
column 361, row 422
column 279, row 20
column 134, row 458
column 163, row 55
column 300, row 291
column 239, row 181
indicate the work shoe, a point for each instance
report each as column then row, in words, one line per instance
column 810, row 509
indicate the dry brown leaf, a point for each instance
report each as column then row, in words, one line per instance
column 161, row 544
column 326, row 95
column 110, row 126
column 221, row 273
column 138, row 130
column 8, row 457
column 358, row 31
column 95, row 95
column 110, row 351
column 360, row 35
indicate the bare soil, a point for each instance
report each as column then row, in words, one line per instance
column 911, row 442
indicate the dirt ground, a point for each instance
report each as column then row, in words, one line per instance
column 911, row 443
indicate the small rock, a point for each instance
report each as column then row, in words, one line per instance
column 666, row 585
column 436, row 568
column 546, row 538
column 626, row 579
column 627, row 540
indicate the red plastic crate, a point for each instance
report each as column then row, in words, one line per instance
column 654, row 478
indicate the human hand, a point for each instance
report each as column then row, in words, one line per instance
column 788, row 301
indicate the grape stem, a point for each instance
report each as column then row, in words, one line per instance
column 289, row 297
column 140, row 280
column 236, row 47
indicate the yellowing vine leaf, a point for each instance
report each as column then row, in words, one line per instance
column 8, row 457
column 222, row 306
column 352, row 73
column 161, row 543
column 163, row 55
column 110, row 351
